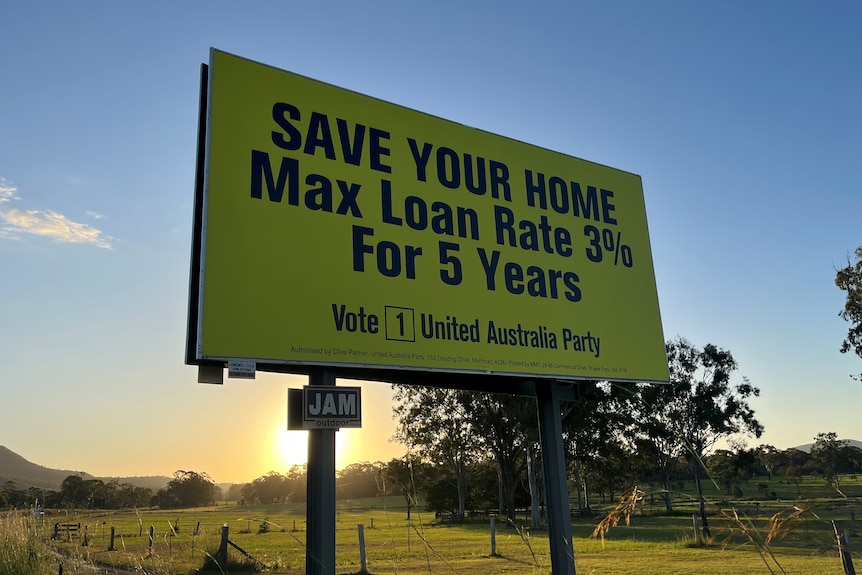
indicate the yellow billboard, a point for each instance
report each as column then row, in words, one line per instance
column 342, row 230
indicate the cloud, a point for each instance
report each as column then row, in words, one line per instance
column 7, row 191
column 46, row 223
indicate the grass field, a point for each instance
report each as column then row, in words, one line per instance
column 652, row 543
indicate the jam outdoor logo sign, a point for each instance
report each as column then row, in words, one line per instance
column 342, row 230
column 324, row 407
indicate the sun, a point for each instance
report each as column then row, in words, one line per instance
column 292, row 448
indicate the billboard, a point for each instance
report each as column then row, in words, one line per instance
column 342, row 230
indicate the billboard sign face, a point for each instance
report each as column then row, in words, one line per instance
column 342, row 230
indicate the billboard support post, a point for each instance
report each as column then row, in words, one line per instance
column 320, row 507
column 554, row 463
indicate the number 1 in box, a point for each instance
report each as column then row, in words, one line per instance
column 400, row 324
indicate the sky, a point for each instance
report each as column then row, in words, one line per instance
column 743, row 120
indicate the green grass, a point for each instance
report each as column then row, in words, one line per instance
column 22, row 548
column 652, row 544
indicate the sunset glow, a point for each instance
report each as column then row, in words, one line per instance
column 292, row 449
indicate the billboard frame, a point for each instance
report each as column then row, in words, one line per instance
column 480, row 380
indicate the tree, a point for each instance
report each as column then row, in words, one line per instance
column 793, row 466
column 73, row 490
column 359, row 480
column 849, row 279
column 591, row 426
column 769, row 457
column 270, row 488
column 297, row 479
column 501, row 424
column 234, row 492
column 433, row 422
column 12, row 495
column 699, row 406
column 456, row 425
column 188, row 489
column 400, row 476
column 834, row 457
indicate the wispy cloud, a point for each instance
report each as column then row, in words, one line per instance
column 46, row 223
column 7, row 191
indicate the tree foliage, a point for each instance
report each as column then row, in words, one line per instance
column 849, row 280
column 591, row 432
column 358, row 480
column 834, row 457
column 187, row 489
column 699, row 407
column 457, row 426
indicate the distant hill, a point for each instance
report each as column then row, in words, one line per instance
column 15, row 468
column 807, row 446
column 25, row 474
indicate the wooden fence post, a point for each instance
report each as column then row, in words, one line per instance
column 363, row 567
column 222, row 550
column 844, row 547
column 493, row 537
column 696, row 529
column 152, row 533
column 111, row 546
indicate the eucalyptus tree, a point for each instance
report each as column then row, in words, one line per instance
column 189, row 489
column 504, row 425
column 849, row 280
column 460, row 426
column 698, row 407
column 769, row 457
column 434, row 424
column 835, row 457
column 592, row 431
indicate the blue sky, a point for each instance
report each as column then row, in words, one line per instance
column 742, row 118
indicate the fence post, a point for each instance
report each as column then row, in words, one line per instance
column 493, row 537
column 696, row 529
column 222, row 550
column 152, row 533
column 363, row 567
column 86, row 542
column 111, row 546
column 844, row 547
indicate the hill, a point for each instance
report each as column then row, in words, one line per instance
column 807, row 446
column 15, row 468
column 25, row 474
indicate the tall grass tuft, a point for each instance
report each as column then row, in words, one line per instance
column 629, row 504
column 22, row 547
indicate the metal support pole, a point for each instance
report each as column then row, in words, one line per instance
column 554, row 463
column 320, row 508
